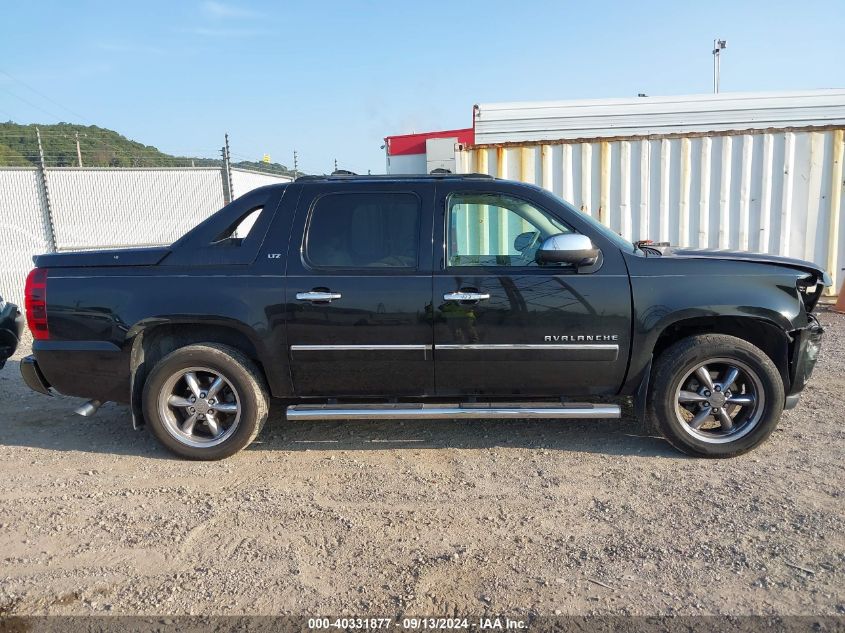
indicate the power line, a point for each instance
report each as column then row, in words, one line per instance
column 99, row 145
column 31, row 104
column 41, row 94
column 52, row 114
column 101, row 142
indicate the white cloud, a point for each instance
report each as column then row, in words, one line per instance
column 135, row 49
column 215, row 9
column 224, row 32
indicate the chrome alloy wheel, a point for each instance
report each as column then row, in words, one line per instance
column 199, row 407
column 720, row 400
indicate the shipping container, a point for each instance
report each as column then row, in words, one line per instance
column 759, row 172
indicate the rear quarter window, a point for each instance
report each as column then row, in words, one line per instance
column 240, row 229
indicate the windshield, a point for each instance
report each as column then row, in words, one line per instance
column 607, row 232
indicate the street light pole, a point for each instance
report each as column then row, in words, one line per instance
column 718, row 47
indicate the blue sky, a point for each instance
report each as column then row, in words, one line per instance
column 331, row 79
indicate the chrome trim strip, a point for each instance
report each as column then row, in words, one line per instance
column 348, row 348
column 571, row 346
column 313, row 295
column 426, row 412
column 466, row 296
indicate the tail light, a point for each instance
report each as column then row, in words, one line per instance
column 36, row 303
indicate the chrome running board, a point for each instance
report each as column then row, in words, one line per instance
column 410, row 411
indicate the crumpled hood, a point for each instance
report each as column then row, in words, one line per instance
column 759, row 258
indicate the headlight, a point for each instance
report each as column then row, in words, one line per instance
column 810, row 290
column 813, row 348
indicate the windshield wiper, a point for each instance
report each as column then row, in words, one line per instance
column 648, row 246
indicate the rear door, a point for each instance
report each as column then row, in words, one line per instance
column 359, row 290
column 506, row 326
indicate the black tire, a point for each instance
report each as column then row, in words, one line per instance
column 243, row 382
column 676, row 420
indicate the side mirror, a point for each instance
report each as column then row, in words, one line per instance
column 568, row 248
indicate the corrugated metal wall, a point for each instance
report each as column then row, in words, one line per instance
column 771, row 191
column 638, row 116
column 244, row 180
column 103, row 208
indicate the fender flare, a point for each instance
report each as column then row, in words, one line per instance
column 135, row 339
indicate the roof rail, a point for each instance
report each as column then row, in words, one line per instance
column 438, row 176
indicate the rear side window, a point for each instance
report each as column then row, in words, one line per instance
column 364, row 230
column 245, row 226
column 235, row 234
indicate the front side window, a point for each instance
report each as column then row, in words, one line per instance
column 488, row 229
column 364, row 230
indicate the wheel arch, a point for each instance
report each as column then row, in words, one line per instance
column 153, row 339
column 767, row 335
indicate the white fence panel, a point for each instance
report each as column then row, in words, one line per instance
column 245, row 180
column 769, row 191
column 104, row 208
column 101, row 208
column 22, row 230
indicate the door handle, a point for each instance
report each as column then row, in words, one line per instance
column 466, row 296
column 317, row 295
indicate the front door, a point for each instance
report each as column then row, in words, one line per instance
column 505, row 325
column 359, row 291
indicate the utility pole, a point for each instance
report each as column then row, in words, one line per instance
column 718, row 47
column 228, row 193
column 295, row 165
column 78, row 151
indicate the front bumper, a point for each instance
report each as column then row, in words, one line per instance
column 805, row 352
column 33, row 377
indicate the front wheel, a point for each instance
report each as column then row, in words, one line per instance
column 715, row 395
column 205, row 401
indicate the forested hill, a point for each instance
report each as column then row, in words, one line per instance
column 99, row 147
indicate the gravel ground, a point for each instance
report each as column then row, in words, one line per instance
column 437, row 518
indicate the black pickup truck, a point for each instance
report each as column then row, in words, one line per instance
column 423, row 297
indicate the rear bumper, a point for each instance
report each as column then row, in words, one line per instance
column 33, row 377
column 805, row 352
column 97, row 370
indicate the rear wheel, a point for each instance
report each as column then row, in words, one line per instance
column 205, row 401
column 715, row 395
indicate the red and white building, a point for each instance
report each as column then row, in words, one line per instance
column 424, row 152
